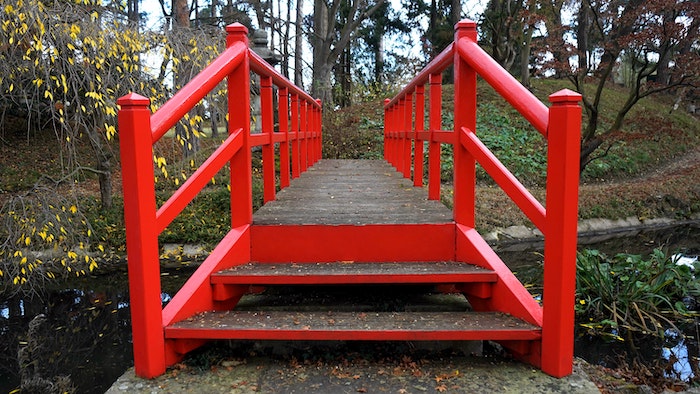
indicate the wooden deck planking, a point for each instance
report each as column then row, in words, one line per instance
column 350, row 272
column 356, row 192
column 353, row 326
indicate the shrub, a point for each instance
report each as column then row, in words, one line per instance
column 629, row 292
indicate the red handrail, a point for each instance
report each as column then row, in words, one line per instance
column 560, row 125
column 139, row 130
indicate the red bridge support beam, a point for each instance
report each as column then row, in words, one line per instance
column 564, row 138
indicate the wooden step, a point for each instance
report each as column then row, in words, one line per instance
column 409, row 326
column 353, row 273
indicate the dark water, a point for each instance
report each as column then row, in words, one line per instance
column 86, row 333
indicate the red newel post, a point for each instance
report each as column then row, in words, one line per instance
column 434, row 149
column 564, row 138
column 141, row 234
column 239, row 118
column 418, row 145
column 283, row 111
column 268, row 150
column 465, row 117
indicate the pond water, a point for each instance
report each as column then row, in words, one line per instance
column 86, row 330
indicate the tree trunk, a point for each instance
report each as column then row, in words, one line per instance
column 284, row 42
column 328, row 44
column 321, row 82
column 298, row 66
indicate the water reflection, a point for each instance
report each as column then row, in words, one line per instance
column 85, row 333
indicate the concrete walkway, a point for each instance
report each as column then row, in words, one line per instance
column 449, row 374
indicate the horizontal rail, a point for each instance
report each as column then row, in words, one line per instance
column 196, row 182
column 530, row 206
column 184, row 100
column 259, row 66
column 436, row 66
column 505, row 84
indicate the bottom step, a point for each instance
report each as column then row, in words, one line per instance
column 410, row 326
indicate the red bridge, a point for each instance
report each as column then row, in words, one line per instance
column 342, row 223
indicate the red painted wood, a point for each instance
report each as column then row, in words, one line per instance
column 505, row 179
column 303, row 131
column 198, row 180
column 283, row 116
column 296, row 168
column 436, row 66
column 380, row 242
column 418, row 138
column 505, row 84
column 239, row 118
column 444, row 136
column 464, row 117
column 564, row 136
column 387, row 130
column 141, row 234
column 435, row 150
column 196, row 294
column 509, row 295
column 195, row 90
column 268, row 150
column 406, row 130
column 261, row 67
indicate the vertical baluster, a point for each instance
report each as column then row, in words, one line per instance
column 283, row 116
column 418, row 145
column 435, row 148
column 295, row 136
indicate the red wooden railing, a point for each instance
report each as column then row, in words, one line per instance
column 139, row 130
column 560, row 125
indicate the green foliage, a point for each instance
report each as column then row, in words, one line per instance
column 630, row 292
column 521, row 150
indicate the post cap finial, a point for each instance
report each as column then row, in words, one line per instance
column 236, row 28
column 565, row 96
column 133, row 100
column 465, row 24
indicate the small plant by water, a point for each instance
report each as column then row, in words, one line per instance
column 629, row 293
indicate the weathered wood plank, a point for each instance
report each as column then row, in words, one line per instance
column 353, row 326
column 352, row 192
column 351, row 273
